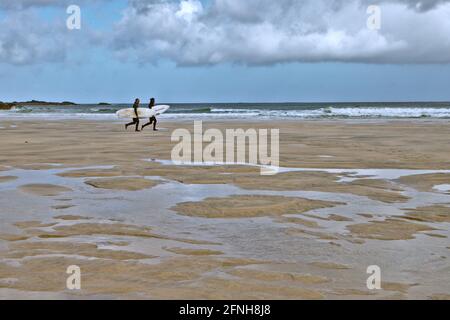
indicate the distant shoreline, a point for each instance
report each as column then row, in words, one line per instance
column 10, row 105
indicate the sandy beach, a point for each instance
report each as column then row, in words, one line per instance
column 353, row 194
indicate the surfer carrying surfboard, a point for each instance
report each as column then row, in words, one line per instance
column 135, row 120
column 152, row 119
column 137, row 113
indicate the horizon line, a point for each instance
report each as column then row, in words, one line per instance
column 235, row 102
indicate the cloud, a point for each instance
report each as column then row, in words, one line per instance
column 29, row 37
column 26, row 4
column 22, row 42
column 251, row 32
column 267, row 32
column 423, row 5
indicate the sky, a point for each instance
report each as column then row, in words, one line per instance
column 226, row 50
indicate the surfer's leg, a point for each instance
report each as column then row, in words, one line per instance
column 131, row 123
column 144, row 125
column 148, row 123
column 154, row 124
column 137, row 124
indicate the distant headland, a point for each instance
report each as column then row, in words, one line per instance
column 9, row 105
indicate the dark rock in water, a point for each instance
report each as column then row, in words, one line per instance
column 6, row 106
column 9, row 105
column 38, row 102
column 104, row 104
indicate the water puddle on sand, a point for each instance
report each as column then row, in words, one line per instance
column 135, row 205
column 263, row 238
column 40, row 176
column 442, row 187
column 350, row 174
column 169, row 193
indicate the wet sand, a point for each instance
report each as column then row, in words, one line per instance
column 88, row 193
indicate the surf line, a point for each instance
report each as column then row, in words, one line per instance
column 232, row 149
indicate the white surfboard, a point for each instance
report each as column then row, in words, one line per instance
column 142, row 112
column 129, row 113
column 160, row 109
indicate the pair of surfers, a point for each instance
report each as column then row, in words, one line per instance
column 136, row 120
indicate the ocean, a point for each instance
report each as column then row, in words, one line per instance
column 410, row 110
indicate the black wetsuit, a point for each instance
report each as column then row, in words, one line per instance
column 152, row 119
column 135, row 120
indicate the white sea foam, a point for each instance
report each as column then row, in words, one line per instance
column 330, row 112
column 275, row 111
column 390, row 112
column 56, row 116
